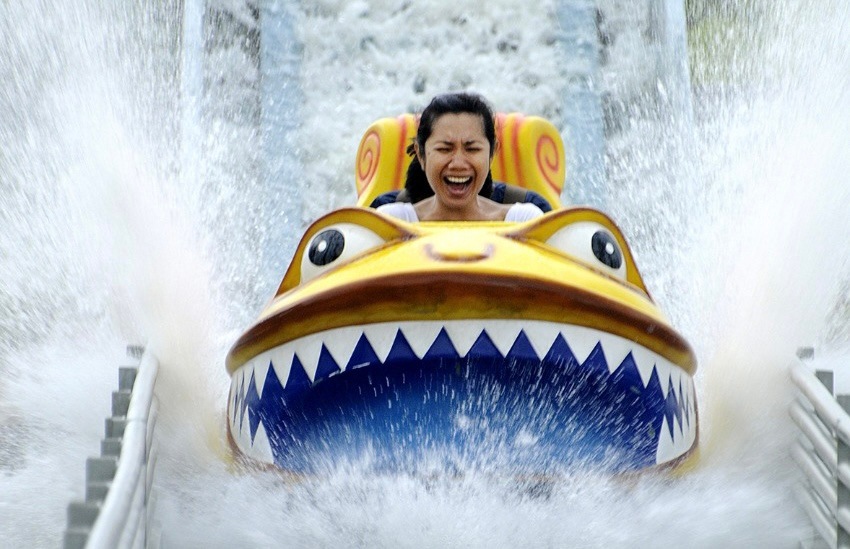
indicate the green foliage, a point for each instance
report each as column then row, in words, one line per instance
column 722, row 39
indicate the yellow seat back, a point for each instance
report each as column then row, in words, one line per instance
column 530, row 155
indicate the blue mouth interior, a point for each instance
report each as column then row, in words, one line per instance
column 517, row 414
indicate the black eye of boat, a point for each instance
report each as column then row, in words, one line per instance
column 334, row 245
column 326, row 247
column 606, row 250
column 593, row 244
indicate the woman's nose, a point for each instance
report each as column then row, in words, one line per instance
column 458, row 158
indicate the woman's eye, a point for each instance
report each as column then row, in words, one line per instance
column 593, row 244
column 335, row 245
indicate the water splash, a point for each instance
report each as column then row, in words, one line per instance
column 749, row 209
column 101, row 247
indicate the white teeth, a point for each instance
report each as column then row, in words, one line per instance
column 308, row 349
column 282, row 360
column 690, row 389
column 381, row 339
column 452, row 179
column 240, row 429
column 675, row 377
column 342, row 344
column 666, row 449
column 645, row 361
column 616, row 350
column 541, row 335
column 261, row 449
column 261, row 369
column 581, row 340
column 663, row 367
column 463, row 334
column 671, row 448
column 421, row 335
column 503, row 333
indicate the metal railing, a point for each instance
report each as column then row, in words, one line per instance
column 118, row 483
column 822, row 452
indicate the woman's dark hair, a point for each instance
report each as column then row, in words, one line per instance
column 448, row 103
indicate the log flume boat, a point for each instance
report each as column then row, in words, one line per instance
column 528, row 347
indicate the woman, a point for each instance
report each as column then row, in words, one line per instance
column 454, row 146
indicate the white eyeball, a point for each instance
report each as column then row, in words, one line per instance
column 335, row 245
column 593, row 244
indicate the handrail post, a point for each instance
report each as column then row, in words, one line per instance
column 843, row 538
column 117, row 483
column 826, row 378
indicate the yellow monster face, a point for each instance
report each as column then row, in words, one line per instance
column 355, row 267
column 391, row 338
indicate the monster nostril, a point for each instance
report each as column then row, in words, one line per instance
column 458, row 251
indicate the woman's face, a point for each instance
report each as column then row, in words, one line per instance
column 456, row 159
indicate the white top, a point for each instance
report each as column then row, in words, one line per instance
column 517, row 213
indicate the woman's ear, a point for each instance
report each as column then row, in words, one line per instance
column 496, row 146
column 419, row 156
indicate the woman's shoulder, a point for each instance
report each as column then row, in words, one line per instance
column 401, row 210
column 523, row 211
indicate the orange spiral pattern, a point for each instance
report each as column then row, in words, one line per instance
column 368, row 158
column 548, row 160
